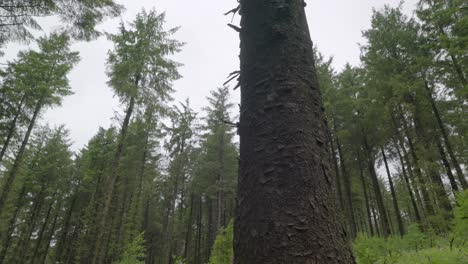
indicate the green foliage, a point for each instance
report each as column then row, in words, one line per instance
column 223, row 252
column 460, row 228
column 139, row 66
column 78, row 18
column 135, row 252
column 413, row 248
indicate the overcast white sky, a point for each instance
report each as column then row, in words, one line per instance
column 210, row 54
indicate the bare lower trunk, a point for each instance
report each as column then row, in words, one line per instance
column 384, row 222
column 366, row 197
column 349, row 198
column 394, row 197
column 445, row 137
column 337, row 175
column 448, row 169
column 408, row 186
column 286, row 199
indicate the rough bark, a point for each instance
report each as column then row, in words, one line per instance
column 286, row 199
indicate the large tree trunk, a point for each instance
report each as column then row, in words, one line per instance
column 10, row 178
column 286, row 199
column 11, row 128
column 394, row 197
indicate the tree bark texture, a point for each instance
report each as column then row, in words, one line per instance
column 286, row 198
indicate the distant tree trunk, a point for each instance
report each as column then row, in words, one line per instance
column 408, row 185
column 376, row 222
column 337, row 174
column 366, row 197
column 378, row 193
column 394, row 198
column 12, row 225
column 198, row 253
column 428, row 140
column 425, row 194
column 446, row 164
column 285, row 184
column 40, row 235
column 12, row 128
column 188, row 233
column 49, row 238
column 31, row 225
column 349, row 197
column 62, row 241
column 10, row 177
column 211, row 233
column 445, row 137
column 220, row 193
column 98, row 256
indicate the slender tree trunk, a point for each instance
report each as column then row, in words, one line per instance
column 425, row 194
column 408, row 186
column 31, row 225
column 61, row 243
column 49, row 238
column 40, row 235
column 198, row 252
column 446, row 164
column 378, row 194
column 12, row 225
column 394, row 198
column 349, row 198
column 376, row 222
column 285, row 184
column 220, row 194
column 366, row 197
column 445, row 137
column 10, row 178
column 98, row 256
column 211, row 234
column 188, row 234
column 337, row 174
column 11, row 128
